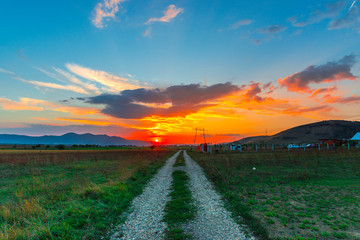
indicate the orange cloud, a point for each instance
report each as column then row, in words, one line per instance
column 105, row 10
column 324, row 90
column 41, row 105
column 329, row 72
column 24, row 104
column 170, row 13
column 337, row 99
column 302, row 109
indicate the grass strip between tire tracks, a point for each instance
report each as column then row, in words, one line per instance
column 180, row 208
column 180, row 161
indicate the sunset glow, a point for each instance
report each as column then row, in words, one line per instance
column 156, row 71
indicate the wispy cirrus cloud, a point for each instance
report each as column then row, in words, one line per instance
column 299, row 110
column 327, row 10
column 329, row 72
column 72, row 88
column 5, row 71
column 96, row 81
column 243, row 22
column 90, row 88
column 112, row 82
column 147, row 32
column 105, row 10
column 273, row 29
column 339, row 99
column 42, row 105
column 351, row 17
column 170, row 13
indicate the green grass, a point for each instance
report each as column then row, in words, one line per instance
column 180, row 161
column 290, row 195
column 70, row 195
column 180, row 208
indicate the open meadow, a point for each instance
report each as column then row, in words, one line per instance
column 290, row 195
column 70, row 194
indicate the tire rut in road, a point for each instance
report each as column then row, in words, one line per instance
column 147, row 210
column 212, row 220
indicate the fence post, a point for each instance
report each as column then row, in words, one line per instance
column 319, row 146
column 348, row 146
column 272, row 147
column 256, row 147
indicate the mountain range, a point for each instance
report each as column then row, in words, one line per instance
column 70, row 139
column 309, row 133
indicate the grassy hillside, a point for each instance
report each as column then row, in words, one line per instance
column 309, row 133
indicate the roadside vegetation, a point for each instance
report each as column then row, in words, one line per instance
column 290, row 195
column 70, row 194
column 180, row 209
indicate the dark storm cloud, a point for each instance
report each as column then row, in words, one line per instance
column 182, row 100
column 329, row 72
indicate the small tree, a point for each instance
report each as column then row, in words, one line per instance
column 61, row 146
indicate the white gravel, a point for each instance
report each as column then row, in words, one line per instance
column 212, row 220
column 147, row 210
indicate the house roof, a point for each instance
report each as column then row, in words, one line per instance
column 356, row 137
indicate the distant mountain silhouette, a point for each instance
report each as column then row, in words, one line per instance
column 69, row 139
column 309, row 133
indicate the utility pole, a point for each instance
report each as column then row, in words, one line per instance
column 204, row 135
column 195, row 138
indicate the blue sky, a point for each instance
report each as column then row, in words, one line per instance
column 158, row 44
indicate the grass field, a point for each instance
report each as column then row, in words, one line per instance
column 70, row 194
column 290, row 195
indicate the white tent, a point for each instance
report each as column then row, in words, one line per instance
column 356, row 137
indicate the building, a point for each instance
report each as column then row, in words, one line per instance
column 330, row 142
column 356, row 138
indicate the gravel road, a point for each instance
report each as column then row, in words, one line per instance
column 212, row 220
column 147, row 210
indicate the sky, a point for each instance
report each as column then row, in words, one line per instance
column 159, row 69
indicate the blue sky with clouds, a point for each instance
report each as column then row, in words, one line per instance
column 157, row 44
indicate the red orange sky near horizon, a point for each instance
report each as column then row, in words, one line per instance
column 150, row 70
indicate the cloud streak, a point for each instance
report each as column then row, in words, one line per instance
column 344, row 100
column 302, row 110
column 170, row 13
column 273, row 29
column 105, row 10
column 349, row 19
column 112, row 82
column 243, row 22
column 42, row 105
column 328, row 10
column 329, row 72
